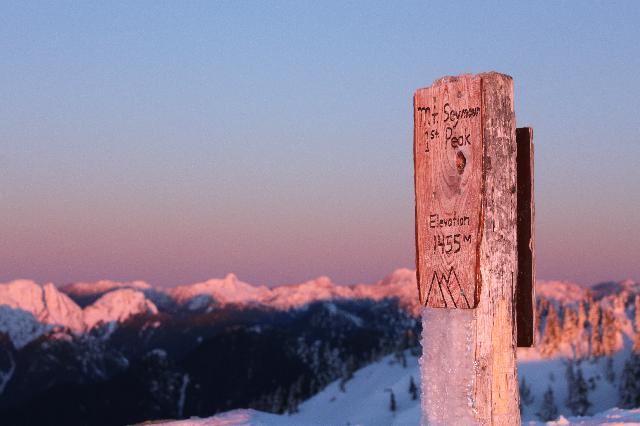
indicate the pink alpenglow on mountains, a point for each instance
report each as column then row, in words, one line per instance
column 400, row 284
column 118, row 305
column 101, row 287
column 46, row 303
column 28, row 310
column 565, row 291
column 228, row 290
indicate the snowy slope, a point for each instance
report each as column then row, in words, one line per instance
column 118, row 306
column 615, row 416
column 237, row 418
column 45, row 303
column 21, row 326
column 27, row 310
column 366, row 399
column 218, row 292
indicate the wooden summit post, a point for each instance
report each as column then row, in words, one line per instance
column 474, row 248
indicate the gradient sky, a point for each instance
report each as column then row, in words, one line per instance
column 178, row 141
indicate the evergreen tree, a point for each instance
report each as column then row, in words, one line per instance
column 630, row 382
column 540, row 306
column 636, row 340
column 526, row 398
column 581, row 347
column 278, row 401
column 402, row 346
column 552, row 333
column 583, row 393
column 295, row 396
column 620, row 302
column 570, row 327
column 582, row 316
column 637, row 312
column 609, row 333
column 596, row 343
column 415, row 348
column 570, row 377
column 578, row 391
column 413, row 389
column 596, row 335
column 609, row 372
column 593, row 317
column 402, row 358
column 548, row 410
column 348, row 367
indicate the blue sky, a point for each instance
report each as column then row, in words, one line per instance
column 177, row 141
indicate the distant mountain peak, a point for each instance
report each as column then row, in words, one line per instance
column 30, row 310
column 607, row 288
column 118, row 306
column 223, row 291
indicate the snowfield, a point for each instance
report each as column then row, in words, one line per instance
column 366, row 399
column 614, row 416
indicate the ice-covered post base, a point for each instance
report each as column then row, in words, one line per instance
column 467, row 249
column 447, row 367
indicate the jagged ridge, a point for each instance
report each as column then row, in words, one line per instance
column 27, row 310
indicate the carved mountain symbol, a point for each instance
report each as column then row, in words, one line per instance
column 452, row 290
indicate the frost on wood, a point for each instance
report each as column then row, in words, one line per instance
column 487, row 166
column 447, row 367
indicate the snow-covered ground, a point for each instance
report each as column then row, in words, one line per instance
column 615, row 416
column 366, row 399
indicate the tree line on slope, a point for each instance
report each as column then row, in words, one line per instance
column 587, row 331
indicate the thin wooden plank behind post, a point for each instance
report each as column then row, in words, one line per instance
column 466, row 246
column 525, row 291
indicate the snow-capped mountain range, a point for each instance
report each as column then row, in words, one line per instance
column 27, row 309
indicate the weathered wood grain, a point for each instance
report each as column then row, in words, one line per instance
column 491, row 197
column 525, row 288
column 496, row 394
column 448, row 175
